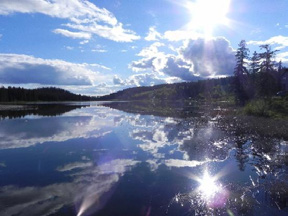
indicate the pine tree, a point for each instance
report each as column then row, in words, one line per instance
column 267, row 64
column 268, row 77
column 241, row 73
column 255, row 63
column 242, row 55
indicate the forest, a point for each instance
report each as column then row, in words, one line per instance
column 17, row 94
column 259, row 76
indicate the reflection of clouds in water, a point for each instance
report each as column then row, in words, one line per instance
column 89, row 186
column 157, row 134
column 19, row 133
column 71, row 166
column 183, row 163
column 201, row 140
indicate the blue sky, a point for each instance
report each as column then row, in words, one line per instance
column 97, row 47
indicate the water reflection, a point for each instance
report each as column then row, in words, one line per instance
column 102, row 161
column 37, row 109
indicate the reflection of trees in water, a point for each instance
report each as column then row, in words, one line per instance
column 265, row 157
column 40, row 110
column 241, row 155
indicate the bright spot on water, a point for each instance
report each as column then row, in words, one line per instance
column 212, row 192
column 208, row 186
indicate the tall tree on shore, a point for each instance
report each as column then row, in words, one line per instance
column 268, row 77
column 241, row 73
column 242, row 55
column 254, row 70
column 268, row 65
column 255, row 63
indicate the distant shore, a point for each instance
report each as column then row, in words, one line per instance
column 11, row 107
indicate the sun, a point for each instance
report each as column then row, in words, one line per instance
column 208, row 14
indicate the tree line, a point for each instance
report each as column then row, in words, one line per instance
column 13, row 94
column 202, row 89
column 257, row 76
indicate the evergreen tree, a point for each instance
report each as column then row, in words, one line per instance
column 267, row 64
column 255, row 63
column 241, row 73
column 268, row 77
column 254, row 69
column 242, row 55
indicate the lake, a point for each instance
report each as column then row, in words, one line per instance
column 119, row 159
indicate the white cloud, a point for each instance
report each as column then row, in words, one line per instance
column 153, row 35
column 280, row 40
column 75, row 35
column 196, row 59
column 117, row 80
column 84, row 42
column 283, row 57
column 82, row 14
column 151, row 51
column 99, row 50
column 75, row 165
column 24, row 69
column 176, row 66
column 27, row 135
column 115, row 33
column 152, row 59
column 210, row 57
column 147, row 79
column 183, row 163
column 87, row 187
column 69, row 48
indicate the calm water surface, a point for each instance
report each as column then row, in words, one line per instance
column 88, row 159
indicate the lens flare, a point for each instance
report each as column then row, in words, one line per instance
column 211, row 191
column 208, row 186
column 207, row 14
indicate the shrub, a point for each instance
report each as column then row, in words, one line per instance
column 258, row 107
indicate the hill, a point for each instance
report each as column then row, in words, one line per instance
column 204, row 89
column 212, row 88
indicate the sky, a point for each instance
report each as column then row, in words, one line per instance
column 97, row 47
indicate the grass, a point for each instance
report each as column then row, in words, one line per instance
column 269, row 107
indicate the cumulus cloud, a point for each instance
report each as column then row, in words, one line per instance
column 117, row 80
column 280, row 40
column 177, row 67
column 152, row 59
column 196, row 59
column 24, row 69
column 210, row 58
column 83, row 15
column 146, row 79
column 153, row 35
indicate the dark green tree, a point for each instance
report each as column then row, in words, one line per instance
column 241, row 83
column 268, row 77
column 267, row 65
column 242, row 55
column 255, row 63
column 254, row 69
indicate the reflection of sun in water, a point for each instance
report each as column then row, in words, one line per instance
column 208, row 186
column 207, row 14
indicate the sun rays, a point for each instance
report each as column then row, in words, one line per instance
column 206, row 15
